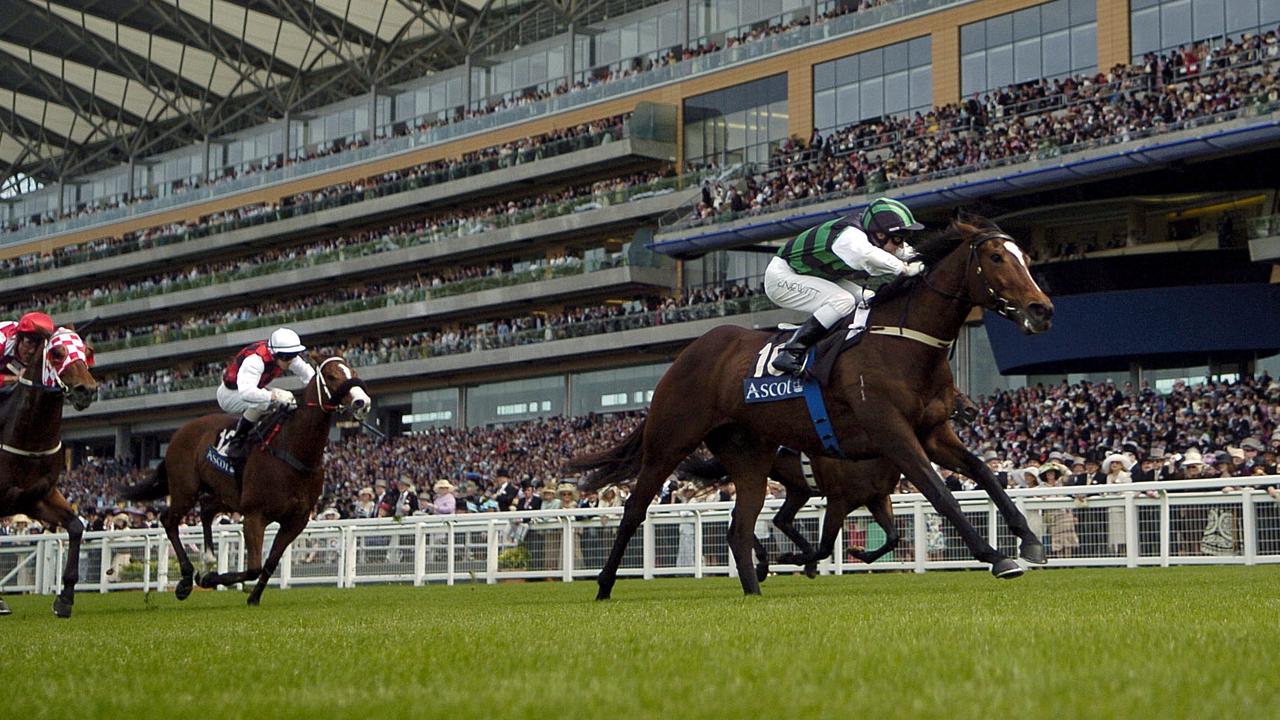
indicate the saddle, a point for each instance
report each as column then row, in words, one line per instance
column 260, row 435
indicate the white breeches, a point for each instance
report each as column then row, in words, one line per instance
column 826, row 300
column 233, row 402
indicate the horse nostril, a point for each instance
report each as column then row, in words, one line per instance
column 1040, row 311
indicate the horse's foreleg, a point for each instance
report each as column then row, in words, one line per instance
column 55, row 510
column 893, row 435
column 172, row 521
column 289, row 530
column 946, row 449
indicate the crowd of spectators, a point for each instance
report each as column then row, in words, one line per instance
column 534, row 327
column 1060, row 435
column 1038, row 118
column 520, row 151
column 434, row 227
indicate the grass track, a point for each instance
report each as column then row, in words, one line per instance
column 1157, row 643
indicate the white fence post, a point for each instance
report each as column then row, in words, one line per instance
column 347, row 578
column 491, row 555
column 649, row 539
column 697, row 543
column 146, row 563
column 1249, row 526
column 920, row 536
column 993, row 527
column 419, row 554
column 162, row 570
column 1131, row 529
column 1166, row 529
column 566, row 549
column 450, row 561
column 286, row 565
column 104, row 565
column 224, row 553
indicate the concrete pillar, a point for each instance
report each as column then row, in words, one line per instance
column 571, row 54
column 466, row 83
column 132, row 175
column 287, row 145
column 687, row 5
column 124, row 439
column 946, row 66
column 372, row 134
column 1114, row 46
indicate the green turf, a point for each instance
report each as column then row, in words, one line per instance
column 1173, row 643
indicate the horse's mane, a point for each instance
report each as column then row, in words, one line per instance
column 931, row 248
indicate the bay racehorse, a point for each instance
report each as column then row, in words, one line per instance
column 888, row 396
column 281, row 481
column 31, row 446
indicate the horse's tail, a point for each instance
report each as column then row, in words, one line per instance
column 703, row 471
column 153, row 489
column 618, row 464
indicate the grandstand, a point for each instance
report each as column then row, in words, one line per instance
column 507, row 212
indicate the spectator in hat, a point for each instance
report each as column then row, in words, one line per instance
column 387, row 498
column 407, row 501
column 506, row 491
column 364, row 506
column 445, row 503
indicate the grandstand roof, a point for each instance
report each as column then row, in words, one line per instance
column 86, row 84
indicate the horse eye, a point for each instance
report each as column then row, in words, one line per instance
column 997, row 258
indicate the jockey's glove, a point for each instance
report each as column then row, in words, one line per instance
column 913, row 268
column 283, row 398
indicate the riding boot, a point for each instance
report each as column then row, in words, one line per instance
column 791, row 358
column 236, row 443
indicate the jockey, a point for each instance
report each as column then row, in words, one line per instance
column 22, row 341
column 244, row 383
column 826, row 271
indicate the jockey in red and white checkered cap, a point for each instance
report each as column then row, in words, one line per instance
column 22, row 340
column 244, row 390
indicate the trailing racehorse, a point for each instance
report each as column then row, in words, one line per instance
column 847, row 485
column 31, row 446
column 282, row 478
column 888, row 396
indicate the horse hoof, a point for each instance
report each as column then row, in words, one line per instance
column 811, row 571
column 183, row 591
column 1033, row 553
column 1006, row 569
column 61, row 608
column 4, row 609
column 602, row 594
column 254, row 600
column 762, row 573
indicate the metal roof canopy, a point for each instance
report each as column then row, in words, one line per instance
column 88, row 84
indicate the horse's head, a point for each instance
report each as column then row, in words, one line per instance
column 1000, row 276
column 66, row 365
column 337, row 385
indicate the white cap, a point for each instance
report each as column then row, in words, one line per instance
column 285, row 340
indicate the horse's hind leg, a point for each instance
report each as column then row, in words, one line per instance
column 289, row 529
column 207, row 512
column 748, row 462
column 54, row 510
column 254, row 530
column 172, row 521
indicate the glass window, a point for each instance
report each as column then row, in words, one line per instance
column 1026, row 23
column 1207, row 18
column 1026, row 45
column 895, row 79
column 1026, row 60
column 669, row 30
column 1241, row 15
column 647, row 41
column 1175, row 23
column 1269, row 12
column 614, row 390
column 1145, row 31
column 721, row 118
column 973, row 37
column 516, row 400
column 1055, row 16
column 973, row 73
column 1000, row 30
column 1083, row 11
column 1000, row 66
column 1057, row 53
column 1084, row 49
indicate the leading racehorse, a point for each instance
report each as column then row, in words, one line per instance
column 282, row 478
column 889, row 396
column 31, row 446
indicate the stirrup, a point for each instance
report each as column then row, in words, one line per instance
column 790, row 361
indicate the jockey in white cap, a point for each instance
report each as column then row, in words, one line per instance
column 244, row 383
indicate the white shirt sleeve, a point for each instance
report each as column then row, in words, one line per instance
column 247, row 380
column 302, row 370
column 855, row 249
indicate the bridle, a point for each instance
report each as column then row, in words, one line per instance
column 324, row 394
column 999, row 303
